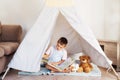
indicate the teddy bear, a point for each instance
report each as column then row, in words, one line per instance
column 85, row 65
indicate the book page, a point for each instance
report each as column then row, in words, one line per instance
column 63, row 65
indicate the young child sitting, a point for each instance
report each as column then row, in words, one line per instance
column 56, row 54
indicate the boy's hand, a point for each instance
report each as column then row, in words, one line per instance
column 45, row 56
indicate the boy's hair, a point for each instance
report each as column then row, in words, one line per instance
column 63, row 40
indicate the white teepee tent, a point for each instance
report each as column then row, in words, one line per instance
column 45, row 31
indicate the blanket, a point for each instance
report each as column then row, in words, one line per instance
column 43, row 71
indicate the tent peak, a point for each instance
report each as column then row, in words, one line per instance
column 59, row 3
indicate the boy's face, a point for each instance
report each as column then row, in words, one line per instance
column 59, row 46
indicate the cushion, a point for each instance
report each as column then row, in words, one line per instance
column 2, row 63
column 1, row 52
column 0, row 28
column 0, row 31
column 9, row 47
column 11, row 33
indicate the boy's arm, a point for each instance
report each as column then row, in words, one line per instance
column 47, row 53
column 57, row 63
column 60, row 62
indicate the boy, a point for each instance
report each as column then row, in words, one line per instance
column 56, row 54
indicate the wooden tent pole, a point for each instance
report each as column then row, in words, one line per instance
column 5, row 73
column 118, row 78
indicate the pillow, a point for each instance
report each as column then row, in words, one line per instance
column 77, row 55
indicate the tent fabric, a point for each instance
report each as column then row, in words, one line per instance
column 45, row 31
column 28, row 55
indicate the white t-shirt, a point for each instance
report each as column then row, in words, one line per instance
column 56, row 55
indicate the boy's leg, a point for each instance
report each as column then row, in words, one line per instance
column 51, row 68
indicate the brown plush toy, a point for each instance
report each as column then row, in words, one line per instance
column 85, row 65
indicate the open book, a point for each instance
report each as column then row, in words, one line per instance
column 63, row 65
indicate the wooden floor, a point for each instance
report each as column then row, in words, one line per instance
column 12, row 75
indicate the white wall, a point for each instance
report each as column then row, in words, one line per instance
column 92, row 13
column 112, row 20
column 22, row 12
column 95, row 13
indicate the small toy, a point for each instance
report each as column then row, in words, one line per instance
column 85, row 65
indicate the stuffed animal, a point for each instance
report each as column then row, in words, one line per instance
column 84, row 65
column 72, row 68
column 75, row 67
